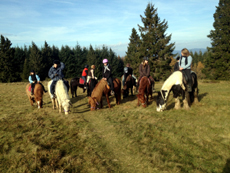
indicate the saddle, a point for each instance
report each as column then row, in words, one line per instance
column 185, row 77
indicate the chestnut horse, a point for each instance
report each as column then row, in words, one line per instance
column 74, row 83
column 103, row 88
column 38, row 95
column 144, row 89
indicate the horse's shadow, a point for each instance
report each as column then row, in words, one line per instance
column 201, row 96
column 227, row 166
column 129, row 98
column 76, row 99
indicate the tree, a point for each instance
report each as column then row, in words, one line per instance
column 132, row 55
column 218, row 66
column 47, row 60
column 155, row 43
column 7, row 68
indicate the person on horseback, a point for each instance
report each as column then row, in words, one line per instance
column 33, row 79
column 91, row 73
column 144, row 70
column 127, row 71
column 55, row 73
column 185, row 67
column 107, row 75
column 84, row 75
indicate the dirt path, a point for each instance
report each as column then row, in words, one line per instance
column 118, row 144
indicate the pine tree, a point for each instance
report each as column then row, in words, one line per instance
column 19, row 58
column 155, row 43
column 218, row 66
column 47, row 60
column 7, row 68
column 132, row 55
column 36, row 61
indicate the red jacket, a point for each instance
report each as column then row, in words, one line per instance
column 85, row 72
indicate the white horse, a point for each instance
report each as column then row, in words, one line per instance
column 175, row 83
column 62, row 97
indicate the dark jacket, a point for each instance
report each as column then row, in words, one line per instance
column 107, row 73
column 128, row 70
column 144, row 71
column 57, row 71
column 176, row 66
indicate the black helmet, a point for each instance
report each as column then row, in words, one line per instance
column 32, row 71
column 56, row 62
column 86, row 66
column 146, row 58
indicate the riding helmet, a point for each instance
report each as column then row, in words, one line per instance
column 56, row 62
column 105, row 61
column 86, row 66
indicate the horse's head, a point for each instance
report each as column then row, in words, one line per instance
column 142, row 99
column 66, row 106
column 93, row 103
column 161, row 101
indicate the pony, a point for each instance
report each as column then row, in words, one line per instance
column 129, row 83
column 38, row 94
column 91, row 85
column 74, row 83
column 62, row 97
column 175, row 83
column 101, row 88
column 144, row 89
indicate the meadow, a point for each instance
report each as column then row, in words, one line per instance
column 125, row 138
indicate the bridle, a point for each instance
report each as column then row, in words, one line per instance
column 96, row 105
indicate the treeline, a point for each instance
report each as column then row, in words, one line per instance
column 16, row 63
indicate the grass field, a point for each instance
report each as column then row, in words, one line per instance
column 125, row 138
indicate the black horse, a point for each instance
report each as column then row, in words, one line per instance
column 74, row 83
column 129, row 83
column 92, row 83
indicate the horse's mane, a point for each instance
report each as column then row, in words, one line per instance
column 98, row 90
column 176, row 78
column 62, row 91
column 142, row 87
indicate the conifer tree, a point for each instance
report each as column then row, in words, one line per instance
column 46, row 54
column 132, row 55
column 218, row 65
column 155, row 43
column 7, row 69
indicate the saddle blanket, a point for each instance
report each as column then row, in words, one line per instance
column 29, row 88
column 81, row 81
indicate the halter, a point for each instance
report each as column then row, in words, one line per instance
column 163, row 96
column 96, row 105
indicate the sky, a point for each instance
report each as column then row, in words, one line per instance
column 103, row 22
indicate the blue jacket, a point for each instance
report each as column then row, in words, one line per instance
column 30, row 79
column 57, row 71
column 182, row 62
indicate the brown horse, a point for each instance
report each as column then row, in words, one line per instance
column 38, row 95
column 129, row 83
column 103, row 88
column 74, row 83
column 144, row 89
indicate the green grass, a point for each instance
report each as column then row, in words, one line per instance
column 125, row 138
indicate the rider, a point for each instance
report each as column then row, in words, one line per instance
column 33, row 79
column 127, row 71
column 91, row 73
column 144, row 70
column 55, row 73
column 84, row 75
column 185, row 66
column 107, row 74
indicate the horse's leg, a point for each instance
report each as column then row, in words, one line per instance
column 75, row 91
column 186, row 100
column 107, row 98
column 177, row 103
column 196, row 96
column 53, row 103
column 101, row 103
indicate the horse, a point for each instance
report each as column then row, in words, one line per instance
column 129, row 83
column 175, row 83
column 145, row 88
column 74, row 83
column 101, row 88
column 62, row 95
column 91, row 85
column 38, row 94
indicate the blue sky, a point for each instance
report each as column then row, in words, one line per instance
column 102, row 22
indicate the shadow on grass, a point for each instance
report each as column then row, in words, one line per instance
column 129, row 98
column 201, row 96
column 227, row 166
column 78, row 98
